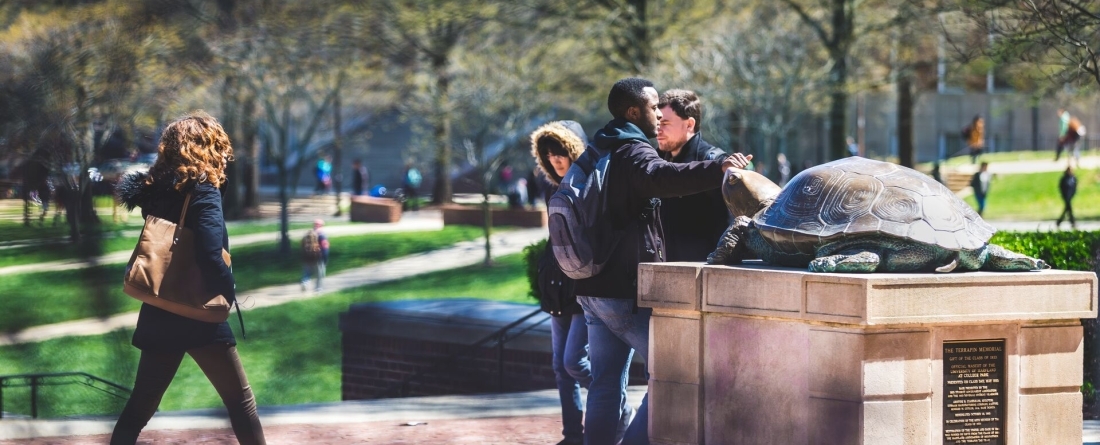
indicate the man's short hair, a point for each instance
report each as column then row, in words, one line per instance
column 627, row 93
column 685, row 103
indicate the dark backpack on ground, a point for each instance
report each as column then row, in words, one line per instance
column 311, row 247
column 581, row 236
column 557, row 292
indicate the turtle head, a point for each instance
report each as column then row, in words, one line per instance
column 747, row 192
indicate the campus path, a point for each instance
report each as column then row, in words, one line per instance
column 504, row 419
column 466, row 253
column 510, row 418
column 410, row 221
column 1088, row 162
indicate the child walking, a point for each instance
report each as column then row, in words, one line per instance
column 314, row 255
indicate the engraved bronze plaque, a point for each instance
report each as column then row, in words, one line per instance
column 974, row 392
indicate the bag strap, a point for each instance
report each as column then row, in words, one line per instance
column 183, row 214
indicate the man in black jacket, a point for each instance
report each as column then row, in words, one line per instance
column 692, row 223
column 1068, row 187
column 637, row 177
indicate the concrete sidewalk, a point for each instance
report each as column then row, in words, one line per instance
column 462, row 254
column 424, row 221
column 365, row 421
column 513, row 418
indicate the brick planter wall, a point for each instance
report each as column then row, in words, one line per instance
column 475, row 216
column 369, row 209
column 383, row 347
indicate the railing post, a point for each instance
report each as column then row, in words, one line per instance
column 34, row 397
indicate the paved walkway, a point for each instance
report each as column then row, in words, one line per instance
column 511, row 418
column 1030, row 166
column 421, row 221
column 462, row 254
column 515, row 418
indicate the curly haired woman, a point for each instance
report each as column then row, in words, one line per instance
column 193, row 154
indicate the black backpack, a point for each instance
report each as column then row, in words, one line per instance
column 557, row 292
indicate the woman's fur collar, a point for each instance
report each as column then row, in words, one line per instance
column 132, row 191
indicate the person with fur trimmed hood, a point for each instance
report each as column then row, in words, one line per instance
column 555, row 146
column 194, row 151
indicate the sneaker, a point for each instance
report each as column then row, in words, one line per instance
column 624, row 421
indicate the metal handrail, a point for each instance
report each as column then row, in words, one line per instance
column 500, row 336
column 57, row 379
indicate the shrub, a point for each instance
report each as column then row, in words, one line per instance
column 531, row 256
column 1062, row 250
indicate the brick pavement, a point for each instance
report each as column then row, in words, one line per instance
column 540, row 429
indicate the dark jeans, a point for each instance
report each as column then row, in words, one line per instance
column 569, row 336
column 222, row 366
column 1068, row 211
column 981, row 202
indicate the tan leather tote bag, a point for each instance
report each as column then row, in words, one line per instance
column 163, row 272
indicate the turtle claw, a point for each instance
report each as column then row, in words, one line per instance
column 948, row 267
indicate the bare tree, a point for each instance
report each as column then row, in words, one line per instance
column 758, row 70
column 838, row 26
column 1060, row 39
column 433, row 30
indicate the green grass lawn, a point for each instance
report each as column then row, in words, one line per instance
column 291, row 356
column 1034, row 196
column 112, row 239
column 97, row 291
column 1004, row 156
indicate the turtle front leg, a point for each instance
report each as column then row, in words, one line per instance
column 731, row 246
column 1004, row 260
column 846, row 261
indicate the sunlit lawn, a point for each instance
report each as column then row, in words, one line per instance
column 51, row 243
column 1035, row 197
column 97, row 291
column 1005, row 156
column 292, row 354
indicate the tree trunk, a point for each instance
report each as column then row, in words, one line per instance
column 442, row 190
column 284, row 213
column 906, row 155
column 250, row 168
column 838, row 110
column 337, row 151
column 231, row 196
column 488, row 214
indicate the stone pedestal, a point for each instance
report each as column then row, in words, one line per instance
column 370, row 209
column 474, row 215
column 755, row 354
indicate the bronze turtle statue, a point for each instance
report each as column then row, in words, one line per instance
column 859, row 215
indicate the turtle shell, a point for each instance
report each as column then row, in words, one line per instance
column 857, row 196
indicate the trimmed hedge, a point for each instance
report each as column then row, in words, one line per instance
column 531, row 256
column 1062, row 250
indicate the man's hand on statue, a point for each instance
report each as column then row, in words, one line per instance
column 736, row 160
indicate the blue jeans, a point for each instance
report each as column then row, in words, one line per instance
column 614, row 333
column 571, row 370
